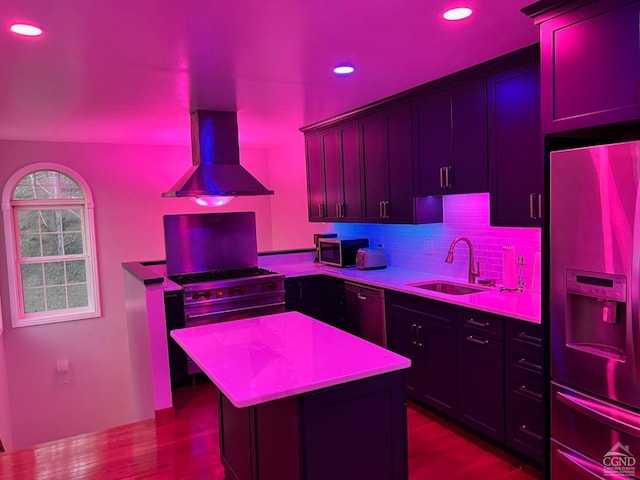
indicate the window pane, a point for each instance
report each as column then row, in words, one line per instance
column 47, row 184
column 30, row 246
column 33, row 300
column 52, row 244
column 76, row 271
column 54, row 273
column 56, row 298
column 31, row 275
column 72, row 243
column 78, row 296
column 71, row 220
column 50, row 221
column 28, row 220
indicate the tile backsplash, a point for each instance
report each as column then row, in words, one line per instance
column 424, row 247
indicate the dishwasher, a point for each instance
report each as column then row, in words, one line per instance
column 365, row 313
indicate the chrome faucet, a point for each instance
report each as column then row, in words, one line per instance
column 473, row 274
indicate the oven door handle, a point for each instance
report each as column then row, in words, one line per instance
column 194, row 316
column 628, row 422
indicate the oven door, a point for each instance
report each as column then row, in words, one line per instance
column 205, row 315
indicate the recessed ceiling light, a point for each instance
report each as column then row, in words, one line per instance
column 457, row 13
column 343, row 69
column 26, row 30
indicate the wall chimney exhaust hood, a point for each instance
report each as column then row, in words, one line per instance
column 216, row 170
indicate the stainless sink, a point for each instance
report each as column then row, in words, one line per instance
column 448, row 288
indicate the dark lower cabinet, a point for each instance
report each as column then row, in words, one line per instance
column 525, row 419
column 318, row 296
column 425, row 332
column 481, row 383
column 353, row 430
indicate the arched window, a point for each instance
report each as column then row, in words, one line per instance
column 50, row 240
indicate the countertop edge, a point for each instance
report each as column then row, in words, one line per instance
column 142, row 273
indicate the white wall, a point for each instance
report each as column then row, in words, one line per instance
column 126, row 181
column 289, row 214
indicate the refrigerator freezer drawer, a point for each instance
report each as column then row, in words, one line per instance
column 568, row 464
column 592, row 425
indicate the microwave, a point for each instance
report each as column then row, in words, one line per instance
column 340, row 252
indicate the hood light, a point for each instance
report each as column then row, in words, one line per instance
column 343, row 70
column 26, row 30
column 457, row 13
column 211, row 201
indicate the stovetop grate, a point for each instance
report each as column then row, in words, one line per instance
column 200, row 277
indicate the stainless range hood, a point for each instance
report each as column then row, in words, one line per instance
column 216, row 170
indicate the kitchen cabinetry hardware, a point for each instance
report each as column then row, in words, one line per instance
column 361, row 296
column 529, row 338
column 531, row 205
column 381, row 209
column 524, row 429
column 523, row 362
column 414, row 334
column 478, row 341
column 441, row 177
column 418, row 336
column 530, row 393
column 535, row 206
column 539, row 205
column 475, row 323
column 447, row 170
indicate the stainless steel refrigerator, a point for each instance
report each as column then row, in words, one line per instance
column 595, row 312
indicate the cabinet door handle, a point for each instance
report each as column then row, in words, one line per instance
column 361, row 296
column 447, row 170
column 531, row 205
column 337, row 210
column 414, row 334
column 475, row 323
column 418, row 328
column 529, row 338
column 380, row 206
column 472, row 339
column 343, row 210
column 530, row 393
column 299, row 291
column 524, row 363
column 386, row 208
column 524, row 429
column 539, row 205
column 441, row 177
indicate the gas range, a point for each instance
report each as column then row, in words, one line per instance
column 223, row 286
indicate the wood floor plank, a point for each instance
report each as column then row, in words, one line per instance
column 185, row 447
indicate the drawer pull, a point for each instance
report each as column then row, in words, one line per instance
column 472, row 339
column 524, row 363
column 414, row 334
column 523, row 389
column 524, row 429
column 475, row 323
column 529, row 338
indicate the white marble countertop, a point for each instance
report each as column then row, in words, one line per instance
column 524, row 306
column 260, row 359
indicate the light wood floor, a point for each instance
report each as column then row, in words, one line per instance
column 186, row 447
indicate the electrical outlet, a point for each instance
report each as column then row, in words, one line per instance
column 62, row 371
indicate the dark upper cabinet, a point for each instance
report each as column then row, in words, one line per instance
column 315, row 177
column 590, row 63
column 387, row 166
column 450, row 141
column 516, row 160
column 333, row 174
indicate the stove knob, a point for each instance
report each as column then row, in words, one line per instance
column 243, row 290
column 195, row 296
column 219, row 294
column 207, row 295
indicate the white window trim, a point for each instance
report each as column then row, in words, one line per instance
column 12, row 245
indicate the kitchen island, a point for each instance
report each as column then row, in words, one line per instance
column 299, row 399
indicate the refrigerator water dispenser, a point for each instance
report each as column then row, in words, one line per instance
column 596, row 320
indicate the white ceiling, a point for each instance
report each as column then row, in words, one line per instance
column 130, row 71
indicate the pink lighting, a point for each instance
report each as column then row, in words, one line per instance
column 211, row 201
column 457, row 13
column 343, row 70
column 26, row 30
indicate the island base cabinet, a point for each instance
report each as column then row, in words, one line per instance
column 353, row 430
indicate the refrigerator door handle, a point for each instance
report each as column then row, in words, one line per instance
column 626, row 421
column 582, row 464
